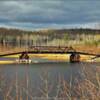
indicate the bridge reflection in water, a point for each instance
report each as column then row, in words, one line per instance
column 74, row 55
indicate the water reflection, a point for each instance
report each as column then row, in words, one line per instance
column 33, row 80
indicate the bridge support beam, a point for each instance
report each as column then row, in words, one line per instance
column 24, row 56
column 74, row 58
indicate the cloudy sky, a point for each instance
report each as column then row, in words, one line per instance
column 43, row 14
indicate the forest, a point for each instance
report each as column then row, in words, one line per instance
column 52, row 37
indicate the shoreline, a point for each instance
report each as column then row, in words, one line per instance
column 51, row 57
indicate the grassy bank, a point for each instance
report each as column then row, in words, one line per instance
column 59, row 57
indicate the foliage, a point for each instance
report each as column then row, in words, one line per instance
column 20, row 38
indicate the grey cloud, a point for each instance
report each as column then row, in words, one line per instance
column 44, row 13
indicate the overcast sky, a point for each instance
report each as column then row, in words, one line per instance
column 42, row 14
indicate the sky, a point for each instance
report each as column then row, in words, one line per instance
column 48, row 14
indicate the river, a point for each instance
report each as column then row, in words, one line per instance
column 29, row 80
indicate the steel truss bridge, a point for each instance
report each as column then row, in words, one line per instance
column 74, row 55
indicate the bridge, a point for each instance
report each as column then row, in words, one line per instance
column 74, row 55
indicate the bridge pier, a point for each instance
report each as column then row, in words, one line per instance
column 24, row 57
column 74, row 58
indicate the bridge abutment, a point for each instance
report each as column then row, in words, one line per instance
column 74, row 58
column 24, row 55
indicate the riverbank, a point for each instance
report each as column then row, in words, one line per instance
column 6, row 62
column 60, row 57
column 51, row 57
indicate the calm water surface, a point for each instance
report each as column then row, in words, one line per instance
column 31, row 77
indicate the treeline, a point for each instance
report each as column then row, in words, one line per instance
column 20, row 38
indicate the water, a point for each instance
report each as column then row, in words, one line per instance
column 27, row 80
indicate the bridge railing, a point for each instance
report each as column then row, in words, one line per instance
column 51, row 48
